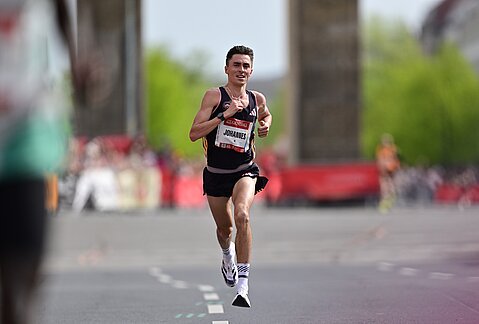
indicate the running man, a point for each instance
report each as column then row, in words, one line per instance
column 226, row 121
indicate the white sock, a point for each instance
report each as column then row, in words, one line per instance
column 243, row 274
column 228, row 253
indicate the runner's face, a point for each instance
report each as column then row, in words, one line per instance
column 239, row 69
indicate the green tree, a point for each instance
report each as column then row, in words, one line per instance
column 430, row 104
column 173, row 94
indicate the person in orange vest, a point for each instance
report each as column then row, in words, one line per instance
column 388, row 164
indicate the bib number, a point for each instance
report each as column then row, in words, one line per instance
column 234, row 134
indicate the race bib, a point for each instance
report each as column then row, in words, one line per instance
column 234, row 134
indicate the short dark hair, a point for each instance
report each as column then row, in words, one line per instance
column 239, row 49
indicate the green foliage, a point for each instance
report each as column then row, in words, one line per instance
column 276, row 106
column 430, row 104
column 173, row 94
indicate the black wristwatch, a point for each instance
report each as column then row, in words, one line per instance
column 221, row 116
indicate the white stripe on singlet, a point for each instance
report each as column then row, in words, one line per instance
column 226, row 171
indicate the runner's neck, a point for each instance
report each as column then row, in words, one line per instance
column 232, row 93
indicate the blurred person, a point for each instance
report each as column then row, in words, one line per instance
column 268, row 161
column 388, row 164
column 97, row 183
column 433, row 181
column 32, row 141
column 148, row 175
column 140, row 179
column 226, row 121
column 467, row 180
column 33, row 115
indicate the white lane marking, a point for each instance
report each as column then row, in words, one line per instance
column 215, row 309
column 206, row 288
column 164, row 278
column 409, row 272
column 211, row 296
column 155, row 271
column 473, row 279
column 440, row 275
column 385, row 266
column 179, row 284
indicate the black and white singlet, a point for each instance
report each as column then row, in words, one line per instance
column 230, row 146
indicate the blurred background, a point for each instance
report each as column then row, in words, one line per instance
column 337, row 76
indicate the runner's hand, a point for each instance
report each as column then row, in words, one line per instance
column 234, row 107
column 263, row 129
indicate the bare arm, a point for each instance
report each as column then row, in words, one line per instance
column 202, row 126
column 264, row 116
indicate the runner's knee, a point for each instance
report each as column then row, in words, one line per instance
column 241, row 215
column 225, row 232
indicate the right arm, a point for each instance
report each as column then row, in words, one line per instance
column 202, row 126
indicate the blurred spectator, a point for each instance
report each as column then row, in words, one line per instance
column 433, row 181
column 467, row 180
column 97, row 183
column 68, row 178
column 388, row 164
column 268, row 161
column 140, row 179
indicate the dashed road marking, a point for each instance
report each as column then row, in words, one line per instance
column 190, row 315
column 206, row 288
column 440, row 275
column 215, row 309
column 411, row 272
column 163, row 278
column 179, row 284
column 385, row 266
column 211, row 296
column 154, row 271
column 408, row 272
column 214, row 305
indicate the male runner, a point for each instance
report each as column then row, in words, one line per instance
column 226, row 122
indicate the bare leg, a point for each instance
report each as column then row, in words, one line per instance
column 243, row 196
column 221, row 209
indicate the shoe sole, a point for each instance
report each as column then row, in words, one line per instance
column 241, row 301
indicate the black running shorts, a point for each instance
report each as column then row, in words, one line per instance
column 221, row 185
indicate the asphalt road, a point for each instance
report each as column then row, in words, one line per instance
column 327, row 265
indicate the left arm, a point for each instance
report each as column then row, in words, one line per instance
column 264, row 116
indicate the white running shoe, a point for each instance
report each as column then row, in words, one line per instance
column 229, row 269
column 242, row 299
